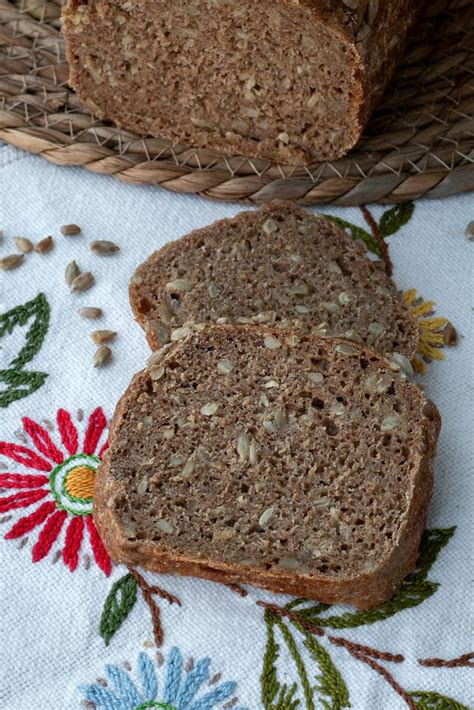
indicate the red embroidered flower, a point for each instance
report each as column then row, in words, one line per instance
column 63, row 481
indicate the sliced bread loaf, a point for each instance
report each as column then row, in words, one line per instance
column 247, row 454
column 279, row 265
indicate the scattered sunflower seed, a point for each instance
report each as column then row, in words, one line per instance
column 315, row 377
column 44, row 245
column 23, row 244
column 243, row 445
column 70, row 230
column 83, row 282
column 71, row 271
column 102, row 336
column 179, row 285
column 89, row 311
column 12, row 261
column 469, row 231
column 450, row 336
column 104, row 247
column 102, row 356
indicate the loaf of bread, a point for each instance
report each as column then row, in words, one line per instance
column 247, row 454
column 289, row 80
column 280, row 265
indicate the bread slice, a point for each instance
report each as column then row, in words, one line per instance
column 279, row 265
column 290, row 80
column 247, row 454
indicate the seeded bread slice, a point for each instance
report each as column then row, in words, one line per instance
column 279, row 265
column 247, row 454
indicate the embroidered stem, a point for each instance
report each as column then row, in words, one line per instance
column 148, row 592
column 366, row 650
column 280, row 611
column 382, row 244
column 464, row 661
column 385, row 674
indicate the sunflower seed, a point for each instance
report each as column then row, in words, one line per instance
column 450, row 336
column 253, row 455
column 188, row 468
column 70, row 230
column 390, row 422
column 142, row 487
column 266, row 515
column 397, row 361
column 270, row 226
column 157, row 374
column 377, row 384
column 243, row 445
column 102, row 336
column 337, row 409
column 209, row 409
column 375, row 328
column 164, row 526
column 334, row 268
column 12, row 261
column 280, row 417
column 158, row 355
column 271, row 384
column 23, row 244
column 224, row 366
column 102, row 356
column 89, row 312
column 315, row 377
column 302, row 309
column 271, row 343
column 44, row 245
column 179, row 285
column 469, row 231
column 82, row 282
column 344, row 349
column 71, row 271
column 104, row 247
column 329, row 306
column 299, row 290
column 180, row 333
column 166, row 314
column 292, row 341
column 344, row 298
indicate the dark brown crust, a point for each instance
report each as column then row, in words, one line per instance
column 371, row 67
column 244, row 218
column 364, row 591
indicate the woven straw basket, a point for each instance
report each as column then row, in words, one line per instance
column 419, row 142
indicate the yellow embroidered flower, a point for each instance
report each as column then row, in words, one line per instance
column 435, row 332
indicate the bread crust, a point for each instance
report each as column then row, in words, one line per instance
column 363, row 591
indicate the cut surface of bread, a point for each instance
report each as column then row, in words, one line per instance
column 247, row 454
column 280, row 265
column 289, row 81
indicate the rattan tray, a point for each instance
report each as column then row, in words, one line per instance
column 420, row 141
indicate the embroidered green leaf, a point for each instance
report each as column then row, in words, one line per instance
column 268, row 678
column 396, row 217
column 308, row 690
column 117, row 606
column 427, row 700
column 19, row 384
column 414, row 590
column 330, row 682
column 37, row 311
column 357, row 233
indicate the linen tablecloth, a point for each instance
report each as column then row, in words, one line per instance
column 75, row 628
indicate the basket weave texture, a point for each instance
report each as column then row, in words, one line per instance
column 419, row 142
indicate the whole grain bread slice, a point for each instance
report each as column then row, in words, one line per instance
column 279, row 265
column 292, row 462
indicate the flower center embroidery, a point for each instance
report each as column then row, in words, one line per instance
column 71, row 484
column 79, row 482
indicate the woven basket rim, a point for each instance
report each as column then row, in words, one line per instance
column 419, row 141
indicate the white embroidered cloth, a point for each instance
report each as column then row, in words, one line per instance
column 52, row 652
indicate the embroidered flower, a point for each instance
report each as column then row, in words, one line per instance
column 434, row 334
column 175, row 687
column 63, row 480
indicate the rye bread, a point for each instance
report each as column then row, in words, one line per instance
column 280, row 265
column 247, row 454
column 289, row 81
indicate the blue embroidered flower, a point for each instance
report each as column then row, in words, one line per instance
column 175, row 689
